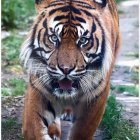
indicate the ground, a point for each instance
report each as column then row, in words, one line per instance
column 124, row 74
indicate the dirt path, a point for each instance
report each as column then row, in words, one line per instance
column 127, row 60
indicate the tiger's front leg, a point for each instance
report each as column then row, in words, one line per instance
column 88, row 118
column 39, row 120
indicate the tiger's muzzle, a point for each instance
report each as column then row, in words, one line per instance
column 66, row 84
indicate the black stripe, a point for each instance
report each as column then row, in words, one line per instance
column 34, row 30
column 36, row 56
column 87, row 13
column 93, row 28
column 98, row 62
column 80, row 19
column 41, row 49
column 95, row 65
column 45, row 23
column 60, row 23
column 65, row 9
column 92, row 44
column 51, row 109
column 85, row 33
column 39, row 35
column 44, row 120
column 33, row 34
column 97, row 41
column 38, row 1
column 92, row 55
column 44, row 41
column 43, row 13
column 58, row 18
column 103, row 38
column 53, row 5
column 75, row 10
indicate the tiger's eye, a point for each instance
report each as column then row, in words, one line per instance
column 83, row 40
column 54, row 38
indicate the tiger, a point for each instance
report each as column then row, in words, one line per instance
column 69, row 55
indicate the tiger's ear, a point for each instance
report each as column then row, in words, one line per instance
column 41, row 4
column 103, row 3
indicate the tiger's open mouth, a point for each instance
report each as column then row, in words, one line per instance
column 65, row 86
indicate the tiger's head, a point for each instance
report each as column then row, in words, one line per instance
column 69, row 48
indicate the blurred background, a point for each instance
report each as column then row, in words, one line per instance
column 120, row 121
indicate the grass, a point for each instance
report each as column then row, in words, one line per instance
column 16, row 16
column 11, row 130
column 135, row 77
column 132, row 54
column 118, row 1
column 120, row 11
column 131, row 90
column 15, row 87
column 135, row 74
column 10, row 50
column 6, row 91
column 14, row 12
column 115, row 127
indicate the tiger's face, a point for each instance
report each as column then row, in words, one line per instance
column 67, row 50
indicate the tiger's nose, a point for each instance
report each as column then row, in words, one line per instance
column 66, row 69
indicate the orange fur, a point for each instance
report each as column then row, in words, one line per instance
column 88, row 117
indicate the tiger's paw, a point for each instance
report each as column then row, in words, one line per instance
column 54, row 131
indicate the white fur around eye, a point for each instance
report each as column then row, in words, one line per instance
column 99, row 1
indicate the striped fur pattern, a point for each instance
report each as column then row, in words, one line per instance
column 69, row 54
column 95, row 53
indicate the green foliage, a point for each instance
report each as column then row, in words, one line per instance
column 135, row 76
column 120, row 12
column 132, row 54
column 115, row 127
column 15, row 11
column 6, row 91
column 9, row 124
column 118, row 1
column 16, row 87
column 112, row 115
column 8, row 14
column 11, row 130
column 132, row 90
column 10, row 51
